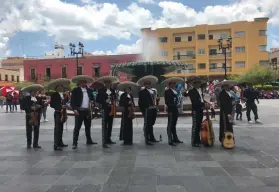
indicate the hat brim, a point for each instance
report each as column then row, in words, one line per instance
column 112, row 79
column 31, row 88
column 228, row 83
column 196, row 80
column 124, row 85
column 79, row 78
column 176, row 80
column 96, row 85
column 150, row 78
column 62, row 81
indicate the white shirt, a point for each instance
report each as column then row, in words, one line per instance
column 85, row 100
column 229, row 93
column 61, row 95
column 174, row 91
column 200, row 92
column 108, row 91
column 151, row 91
column 34, row 99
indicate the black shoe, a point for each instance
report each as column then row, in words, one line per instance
column 105, row 146
column 111, row 142
column 37, row 146
column 172, row 144
column 177, row 141
column 57, row 149
column 199, row 142
column 148, row 143
column 128, row 143
column 195, row 145
column 28, row 146
column 91, row 143
column 154, row 140
column 63, row 145
column 74, row 147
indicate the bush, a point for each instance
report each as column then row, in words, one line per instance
column 267, row 87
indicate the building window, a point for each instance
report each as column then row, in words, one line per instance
column 239, row 34
column 201, row 65
column 273, row 60
column 17, row 78
column 240, row 64
column 48, row 73
column 262, row 48
column 64, row 72
column 164, row 53
column 79, row 70
column 212, row 51
column 201, row 37
column 201, row 51
column 239, row 49
column 213, row 66
column 262, row 32
column 190, row 38
column 223, row 36
column 33, row 74
column 190, row 52
column 97, row 71
column 264, row 63
column 13, row 78
column 163, row 39
column 210, row 37
column 6, row 78
column 177, row 39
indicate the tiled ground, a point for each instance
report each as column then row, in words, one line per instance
column 252, row 166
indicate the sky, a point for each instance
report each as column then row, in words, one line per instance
column 32, row 27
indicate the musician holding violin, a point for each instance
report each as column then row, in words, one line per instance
column 81, row 102
column 128, row 104
column 58, row 103
column 32, row 106
column 172, row 102
column 107, row 98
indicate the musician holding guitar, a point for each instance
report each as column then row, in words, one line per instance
column 58, row 103
column 172, row 102
column 107, row 98
column 128, row 104
column 32, row 106
column 81, row 99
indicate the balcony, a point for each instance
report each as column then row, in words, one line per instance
column 220, row 55
column 184, row 57
column 220, row 69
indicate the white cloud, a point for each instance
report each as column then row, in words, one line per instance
column 89, row 21
column 275, row 43
column 146, row 1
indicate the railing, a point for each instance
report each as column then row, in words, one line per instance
column 183, row 57
column 220, row 69
column 185, row 71
column 219, row 55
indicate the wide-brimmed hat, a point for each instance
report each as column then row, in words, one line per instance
column 149, row 78
column 96, row 85
column 194, row 80
column 175, row 80
column 61, row 81
column 226, row 82
column 111, row 79
column 79, row 78
column 31, row 88
column 123, row 85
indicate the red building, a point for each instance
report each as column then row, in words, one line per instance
column 94, row 66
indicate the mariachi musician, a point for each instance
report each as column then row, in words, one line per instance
column 172, row 102
column 198, row 104
column 32, row 106
column 81, row 100
column 147, row 105
column 128, row 104
column 226, row 107
column 107, row 98
column 58, row 103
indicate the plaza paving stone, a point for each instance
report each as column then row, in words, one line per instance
column 252, row 166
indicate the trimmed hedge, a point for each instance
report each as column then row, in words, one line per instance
column 267, row 87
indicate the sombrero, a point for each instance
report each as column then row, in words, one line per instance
column 112, row 79
column 149, row 78
column 196, row 80
column 226, row 82
column 79, row 78
column 96, row 85
column 122, row 86
column 61, row 81
column 173, row 80
column 34, row 87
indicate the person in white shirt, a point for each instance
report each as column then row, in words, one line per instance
column 81, row 99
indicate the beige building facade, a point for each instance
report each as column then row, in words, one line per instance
column 8, row 76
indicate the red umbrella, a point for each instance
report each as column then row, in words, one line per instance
column 7, row 89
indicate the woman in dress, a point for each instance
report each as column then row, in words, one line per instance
column 127, row 102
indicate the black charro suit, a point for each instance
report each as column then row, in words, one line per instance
column 84, row 114
column 107, row 120
column 197, row 115
column 171, row 100
column 148, row 108
column 56, row 103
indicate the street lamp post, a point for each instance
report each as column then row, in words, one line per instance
column 224, row 49
column 274, row 66
column 76, row 53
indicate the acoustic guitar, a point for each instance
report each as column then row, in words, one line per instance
column 207, row 133
column 228, row 137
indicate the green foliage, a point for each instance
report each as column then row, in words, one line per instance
column 20, row 85
column 267, row 87
column 141, row 71
column 256, row 76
